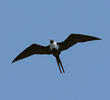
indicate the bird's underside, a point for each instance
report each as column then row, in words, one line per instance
column 55, row 48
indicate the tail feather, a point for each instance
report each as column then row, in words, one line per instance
column 60, row 64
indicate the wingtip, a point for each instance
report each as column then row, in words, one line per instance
column 13, row 61
column 99, row 39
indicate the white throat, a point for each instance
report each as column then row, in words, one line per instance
column 54, row 45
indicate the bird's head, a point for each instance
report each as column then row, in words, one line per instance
column 51, row 41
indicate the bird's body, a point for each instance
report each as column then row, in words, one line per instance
column 54, row 45
column 55, row 48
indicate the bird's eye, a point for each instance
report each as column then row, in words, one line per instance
column 51, row 41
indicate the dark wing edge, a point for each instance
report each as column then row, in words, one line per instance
column 33, row 49
column 72, row 39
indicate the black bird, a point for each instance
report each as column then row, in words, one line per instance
column 55, row 48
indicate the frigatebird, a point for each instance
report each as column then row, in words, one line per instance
column 55, row 48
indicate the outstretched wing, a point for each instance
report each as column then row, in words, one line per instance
column 75, row 38
column 33, row 49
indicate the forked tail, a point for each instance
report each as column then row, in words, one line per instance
column 60, row 64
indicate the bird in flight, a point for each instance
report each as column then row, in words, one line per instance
column 55, row 48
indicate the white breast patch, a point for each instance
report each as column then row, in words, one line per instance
column 54, row 45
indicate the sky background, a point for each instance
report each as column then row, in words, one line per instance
column 87, row 65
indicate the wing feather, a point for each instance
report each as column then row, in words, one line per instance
column 72, row 39
column 33, row 49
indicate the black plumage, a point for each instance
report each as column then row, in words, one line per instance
column 71, row 40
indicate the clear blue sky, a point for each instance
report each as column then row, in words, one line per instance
column 87, row 65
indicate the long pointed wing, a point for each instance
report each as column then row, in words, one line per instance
column 75, row 38
column 33, row 49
